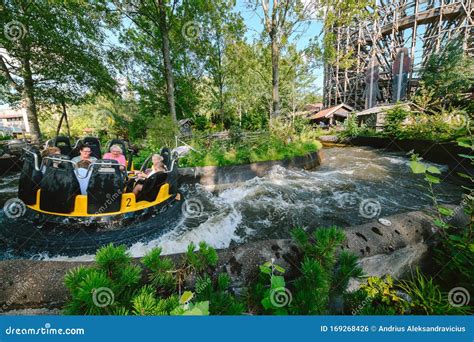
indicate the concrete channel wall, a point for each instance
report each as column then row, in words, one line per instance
column 394, row 249
column 216, row 176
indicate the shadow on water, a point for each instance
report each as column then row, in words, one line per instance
column 354, row 185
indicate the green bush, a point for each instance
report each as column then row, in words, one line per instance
column 219, row 294
column 454, row 253
column 113, row 286
column 449, row 75
column 378, row 296
column 426, row 297
column 394, row 120
column 322, row 278
column 351, row 126
column 161, row 132
column 419, row 295
column 325, row 271
column 114, row 280
column 237, row 150
column 5, row 137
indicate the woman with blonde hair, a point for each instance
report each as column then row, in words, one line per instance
column 157, row 166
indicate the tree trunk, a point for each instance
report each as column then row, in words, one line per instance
column 275, row 83
column 29, row 102
column 165, row 48
column 220, row 76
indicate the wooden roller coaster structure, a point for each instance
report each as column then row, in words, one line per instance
column 418, row 27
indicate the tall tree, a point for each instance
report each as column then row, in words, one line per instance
column 280, row 19
column 219, row 27
column 50, row 54
column 154, row 19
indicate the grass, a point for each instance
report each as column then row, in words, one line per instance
column 231, row 152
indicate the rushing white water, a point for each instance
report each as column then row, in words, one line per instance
column 354, row 185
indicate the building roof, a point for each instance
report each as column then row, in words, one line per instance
column 326, row 113
column 382, row 108
column 11, row 113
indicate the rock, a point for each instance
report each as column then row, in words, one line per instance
column 31, row 312
column 398, row 264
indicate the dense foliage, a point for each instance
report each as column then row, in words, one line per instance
column 246, row 150
column 192, row 285
column 53, row 52
column 115, row 285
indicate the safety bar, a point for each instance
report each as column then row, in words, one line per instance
column 76, row 168
column 59, row 160
column 182, row 142
column 35, row 156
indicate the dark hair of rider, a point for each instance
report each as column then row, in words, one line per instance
column 83, row 164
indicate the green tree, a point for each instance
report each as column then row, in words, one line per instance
column 280, row 19
column 152, row 23
column 51, row 54
column 448, row 76
column 218, row 28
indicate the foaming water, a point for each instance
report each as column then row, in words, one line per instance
column 8, row 187
column 269, row 207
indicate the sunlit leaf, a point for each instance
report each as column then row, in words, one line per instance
column 279, row 268
column 277, row 282
column 186, row 297
column 446, row 211
column 417, row 167
column 432, row 179
column 433, row 169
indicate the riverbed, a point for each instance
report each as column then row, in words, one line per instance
column 353, row 185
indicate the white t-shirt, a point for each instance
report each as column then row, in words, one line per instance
column 83, row 182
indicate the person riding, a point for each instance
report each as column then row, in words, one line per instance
column 83, row 175
column 157, row 166
column 50, row 151
column 85, row 154
column 116, row 153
